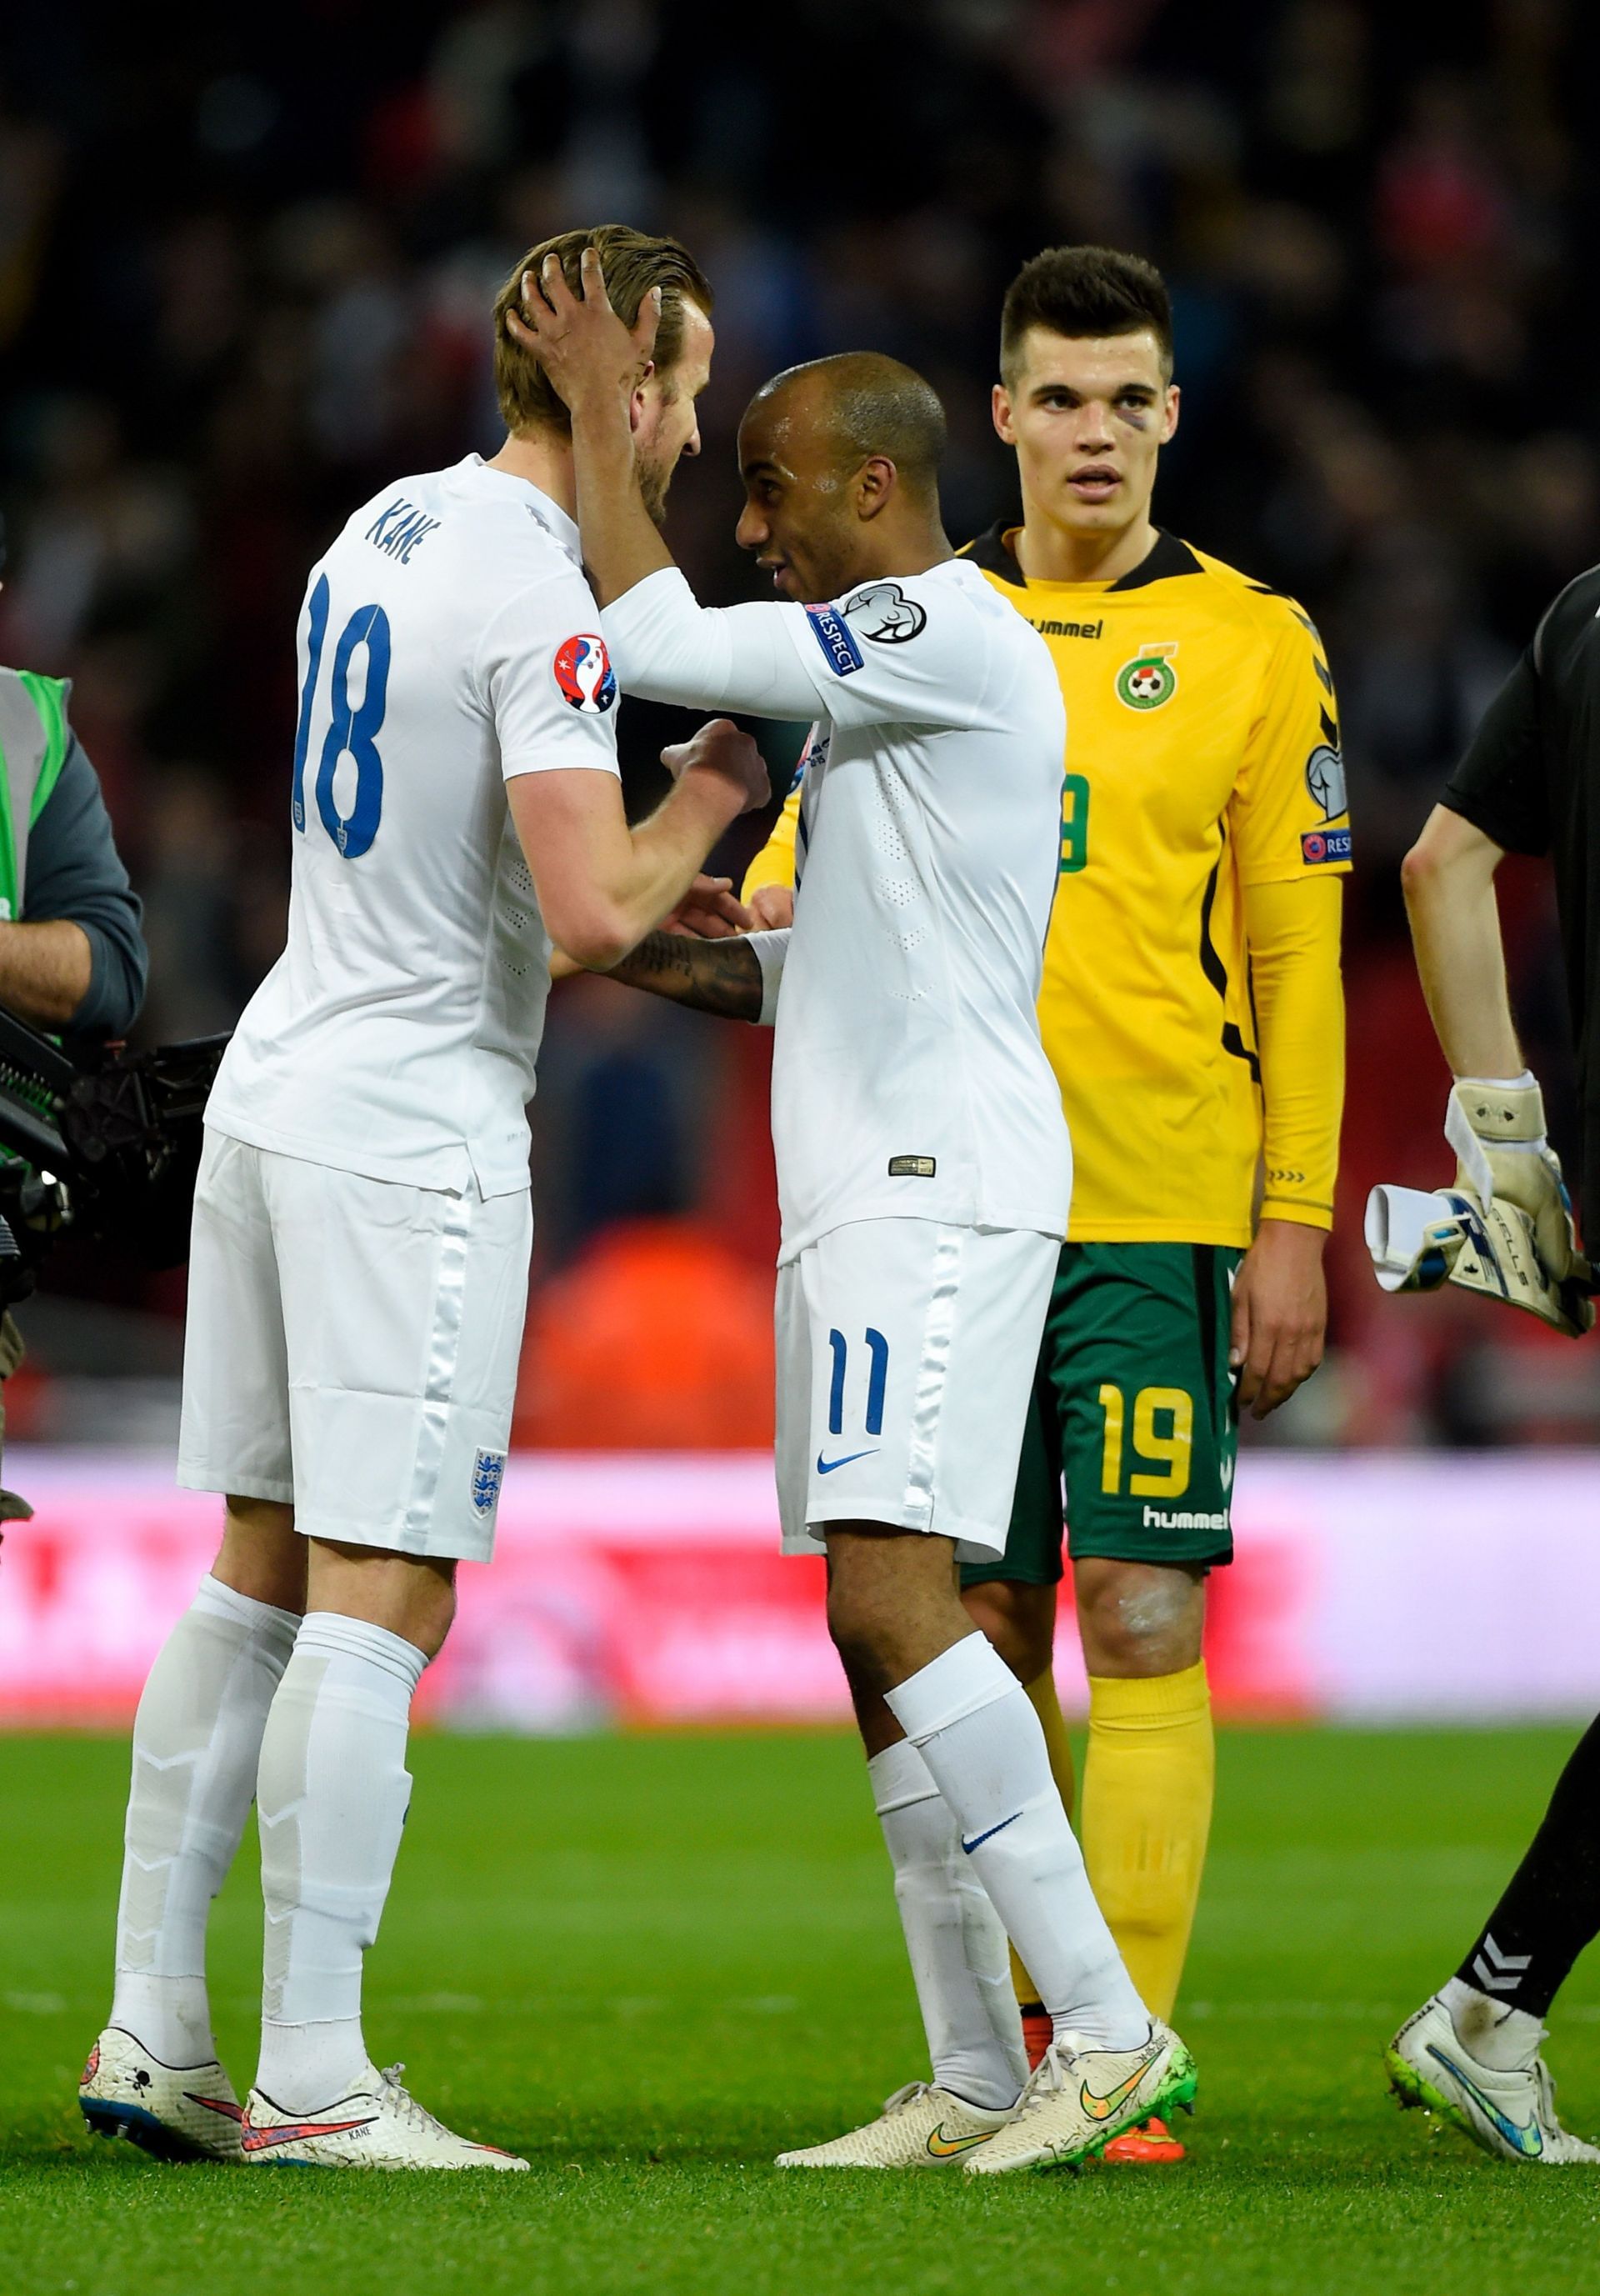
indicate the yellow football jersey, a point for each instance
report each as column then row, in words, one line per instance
column 1203, row 754
column 1202, row 757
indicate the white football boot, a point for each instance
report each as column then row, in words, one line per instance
column 178, row 2112
column 380, row 2125
column 921, row 2127
column 1078, row 2097
column 1510, row 2113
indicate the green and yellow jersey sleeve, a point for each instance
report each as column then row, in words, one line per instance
column 1289, row 816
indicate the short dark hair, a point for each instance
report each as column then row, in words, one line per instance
column 1085, row 291
column 632, row 262
column 875, row 404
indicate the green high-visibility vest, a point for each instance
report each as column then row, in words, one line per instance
column 33, row 744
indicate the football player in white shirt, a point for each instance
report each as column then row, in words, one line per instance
column 923, row 1170
column 358, row 1279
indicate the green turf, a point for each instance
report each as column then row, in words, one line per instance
column 650, row 1963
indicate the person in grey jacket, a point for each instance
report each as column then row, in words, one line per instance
column 72, row 956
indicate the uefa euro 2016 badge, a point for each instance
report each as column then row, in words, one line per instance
column 488, row 1472
column 584, row 674
column 1149, row 679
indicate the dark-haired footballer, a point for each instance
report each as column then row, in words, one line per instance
column 1204, row 831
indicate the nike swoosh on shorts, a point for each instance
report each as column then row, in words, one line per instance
column 826, row 1466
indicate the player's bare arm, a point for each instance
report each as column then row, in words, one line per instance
column 714, row 976
column 1449, row 877
column 599, row 367
column 44, row 969
column 602, row 885
column 708, row 911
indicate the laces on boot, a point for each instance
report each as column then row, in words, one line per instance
column 1047, row 2078
column 410, row 2110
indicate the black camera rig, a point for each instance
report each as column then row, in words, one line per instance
column 106, row 1145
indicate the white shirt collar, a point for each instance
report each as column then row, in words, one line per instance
column 548, row 511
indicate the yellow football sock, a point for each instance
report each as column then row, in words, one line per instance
column 1047, row 1705
column 1147, row 1788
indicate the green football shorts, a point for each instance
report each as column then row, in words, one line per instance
column 1132, row 1409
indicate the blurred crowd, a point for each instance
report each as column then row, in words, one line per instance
column 245, row 266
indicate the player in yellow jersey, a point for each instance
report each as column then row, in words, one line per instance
column 1193, row 1011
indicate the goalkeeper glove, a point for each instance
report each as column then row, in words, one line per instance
column 1504, row 1229
column 1498, row 1132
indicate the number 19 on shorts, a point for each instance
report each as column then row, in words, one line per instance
column 1163, row 1440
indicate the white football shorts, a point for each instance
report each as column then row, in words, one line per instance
column 351, row 1348
column 905, row 1357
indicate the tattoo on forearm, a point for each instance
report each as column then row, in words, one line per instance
column 713, row 976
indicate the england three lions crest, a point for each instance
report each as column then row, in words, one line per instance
column 489, row 1472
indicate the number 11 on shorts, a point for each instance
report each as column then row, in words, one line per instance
column 877, row 1380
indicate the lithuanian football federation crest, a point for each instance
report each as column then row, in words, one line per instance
column 1149, row 679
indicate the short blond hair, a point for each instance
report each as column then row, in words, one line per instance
column 632, row 262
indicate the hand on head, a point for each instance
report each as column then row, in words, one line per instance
column 586, row 349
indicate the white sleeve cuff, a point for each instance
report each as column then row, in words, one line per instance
column 771, row 948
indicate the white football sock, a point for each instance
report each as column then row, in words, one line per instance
column 197, row 1740
column 959, row 1960
column 982, row 1739
column 333, row 1796
column 1504, row 2039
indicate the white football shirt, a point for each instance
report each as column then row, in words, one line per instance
column 448, row 642
column 908, row 1078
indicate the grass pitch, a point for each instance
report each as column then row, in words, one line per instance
column 649, row 1964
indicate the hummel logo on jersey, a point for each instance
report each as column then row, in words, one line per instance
column 1071, row 630
column 826, row 1466
column 1101, row 2108
column 978, row 1840
column 844, row 656
column 584, row 673
column 885, row 614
